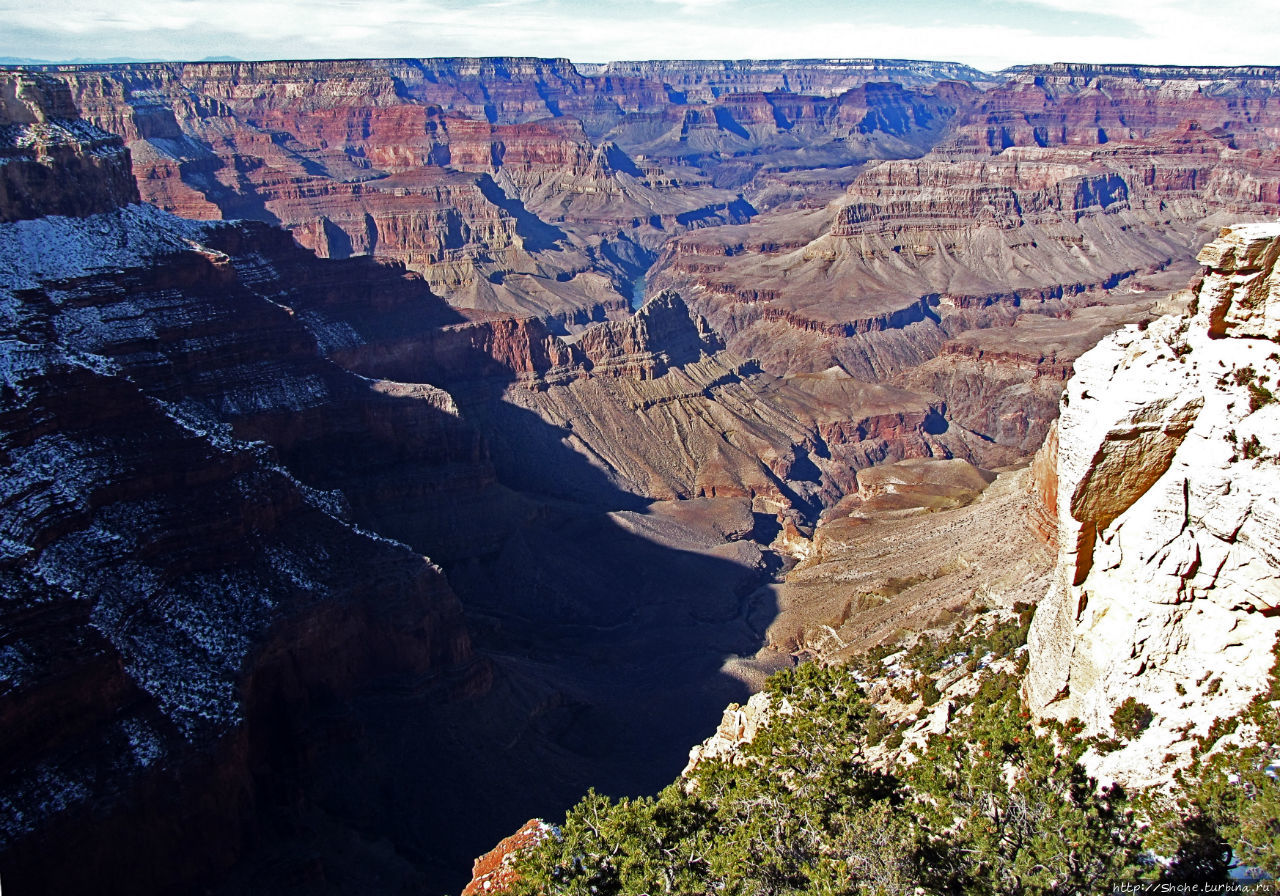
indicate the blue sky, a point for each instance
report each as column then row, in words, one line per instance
column 989, row 34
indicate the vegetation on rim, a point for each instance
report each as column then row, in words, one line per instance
column 817, row 804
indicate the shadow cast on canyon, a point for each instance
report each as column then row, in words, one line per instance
column 595, row 654
column 607, row 649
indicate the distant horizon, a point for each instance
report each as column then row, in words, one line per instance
column 11, row 61
column 989, row 35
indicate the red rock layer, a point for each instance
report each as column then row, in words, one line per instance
column 50, row 161
column 513, row 184
column 1052, row 190
column 493, row 871
column 1085, row 105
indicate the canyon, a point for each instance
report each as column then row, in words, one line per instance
column 389, row 443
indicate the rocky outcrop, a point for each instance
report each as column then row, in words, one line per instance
column 494, row 871
column 1044, row 482
column 646, row 345
column 51, row 162
column 737, row 727
column 1166, row 519
column 1242, row 298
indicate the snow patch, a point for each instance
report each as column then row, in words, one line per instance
column 53, row 248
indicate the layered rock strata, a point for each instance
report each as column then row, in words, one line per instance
column 51, row 162
column 181, row 592
column 1166, row 517
column 173, row 602
column 213, row 438
column 1060, row 189
column 702, row 79
column 655, row 407
column 909, row 551
column 514, row 184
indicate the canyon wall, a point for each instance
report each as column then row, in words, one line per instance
column 511, row 183
column 1168, row 529
column 227, row 462
column 51, row 162
column 543, row 189
column 177, row 601
column 707, row 79
column 1062, row 189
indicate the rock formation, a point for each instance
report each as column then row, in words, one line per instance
column 172, row 609
column 51, row 162
column 739, row 432
column 909, row 551
column 738, row 726
column 493, row 871
column 536, row 187
column 513, row 184
column 1061, row 189
column 226, row 461
column 1168, row 529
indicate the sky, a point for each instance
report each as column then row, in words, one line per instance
column 988, row 34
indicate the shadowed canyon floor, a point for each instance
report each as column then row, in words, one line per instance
column 581, row 625
column 323, row 574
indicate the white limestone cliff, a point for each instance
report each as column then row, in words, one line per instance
column 1168, row 518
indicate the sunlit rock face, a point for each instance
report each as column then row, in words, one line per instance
column 535, row 187
column 51, row 162
column 1058, row 205
column 514, row 184
column 1167, row 517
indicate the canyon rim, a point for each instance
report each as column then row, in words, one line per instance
column 395, row 449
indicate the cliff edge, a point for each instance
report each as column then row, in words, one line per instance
column 1168, row 519
column 51, row 161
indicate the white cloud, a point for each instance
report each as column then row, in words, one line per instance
column 696, row 5
column 1227, row 32
column 1160, row 31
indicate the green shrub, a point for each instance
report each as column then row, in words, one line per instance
column 991, row 807
column 1259, row 396
column 1242, row 376
column 1131, row 718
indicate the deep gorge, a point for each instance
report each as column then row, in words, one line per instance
column 355, row 511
